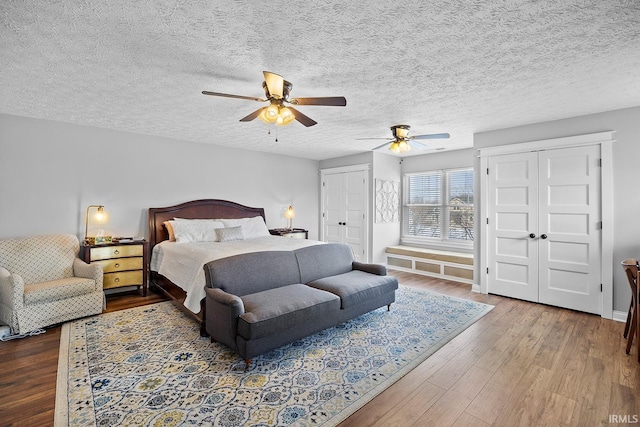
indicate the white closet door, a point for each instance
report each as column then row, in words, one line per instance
column 544, row 237
column 344, row 207
column 569, row 244
column 333, row 206
column 513, row 201
column 353, row 225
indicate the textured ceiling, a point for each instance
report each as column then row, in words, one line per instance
column 439, row 66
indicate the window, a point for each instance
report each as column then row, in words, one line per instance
column 438, row 206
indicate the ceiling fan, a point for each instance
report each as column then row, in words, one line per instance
column 402, row 142
column 276, row 90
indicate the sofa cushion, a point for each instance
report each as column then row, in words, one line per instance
column 323, row 260
column 356, row 286
column 253, row 272
column 283, row 308
column 57, row 289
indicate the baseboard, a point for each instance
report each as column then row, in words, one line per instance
column 619, row 316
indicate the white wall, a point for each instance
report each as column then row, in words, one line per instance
column 51, row 171
column 384, row 234
column 626, row 178
column 439, row 160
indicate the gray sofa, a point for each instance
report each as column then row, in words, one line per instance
column 260, row 301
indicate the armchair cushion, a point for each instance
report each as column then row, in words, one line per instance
column 58, row 289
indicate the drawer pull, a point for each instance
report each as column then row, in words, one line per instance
column 117, row 265
column 117, row 279
column 117, row 252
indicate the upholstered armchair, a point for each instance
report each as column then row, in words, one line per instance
column 43, row 282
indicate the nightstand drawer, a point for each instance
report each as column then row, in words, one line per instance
column 127, row 278
column 121, row 264
column 115, row 252
column 295, row 235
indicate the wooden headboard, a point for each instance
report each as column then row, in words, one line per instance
column 195, row 209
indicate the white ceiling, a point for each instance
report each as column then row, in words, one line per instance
column 439, row 66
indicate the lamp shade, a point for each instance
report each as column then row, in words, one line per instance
column 100, row 216
column 289, row 214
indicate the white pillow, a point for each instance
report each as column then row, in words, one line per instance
column 251, row 227
column 195, row 230
column 229, row 233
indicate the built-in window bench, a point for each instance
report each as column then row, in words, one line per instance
column 449, row 265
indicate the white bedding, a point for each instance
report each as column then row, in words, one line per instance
column 182, row 263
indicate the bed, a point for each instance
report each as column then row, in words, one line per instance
column 176, row 268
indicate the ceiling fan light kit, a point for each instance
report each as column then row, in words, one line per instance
column 278, row 114
column 276, row 90
column 401, row 141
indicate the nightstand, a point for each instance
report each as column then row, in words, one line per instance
column 123, row 264
column 294, row 233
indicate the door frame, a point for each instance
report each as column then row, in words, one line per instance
column 363, row 167
column 605, row 140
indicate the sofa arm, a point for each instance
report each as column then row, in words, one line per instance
column 88, row 271
column 378, row 269
column 221, row 318
column 232, row 302
column 11, row 289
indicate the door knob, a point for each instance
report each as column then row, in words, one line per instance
column 543, row 236
column 532, row 235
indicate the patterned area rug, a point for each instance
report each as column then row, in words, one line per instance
column 149, row 366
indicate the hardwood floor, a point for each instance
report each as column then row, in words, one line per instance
column 521, row 364
column 28, row 369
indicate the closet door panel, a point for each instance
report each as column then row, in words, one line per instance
column 569, row 244
column 512, row 257
column 333, row 208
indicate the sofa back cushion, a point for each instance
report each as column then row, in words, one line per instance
column 249, row 273
column 40, row 258
column 319, row 261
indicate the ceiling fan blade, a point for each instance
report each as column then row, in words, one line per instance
column 275, row 84
column 226, row 95
column 380, row 146
column 367, row 139
column 307, row 121
column 417, row 145
column 253, row 115
column 338, row 101
column 431, row 136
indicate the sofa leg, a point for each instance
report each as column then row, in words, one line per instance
column 247, row 364
column 388, row 307
column 203, row 330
